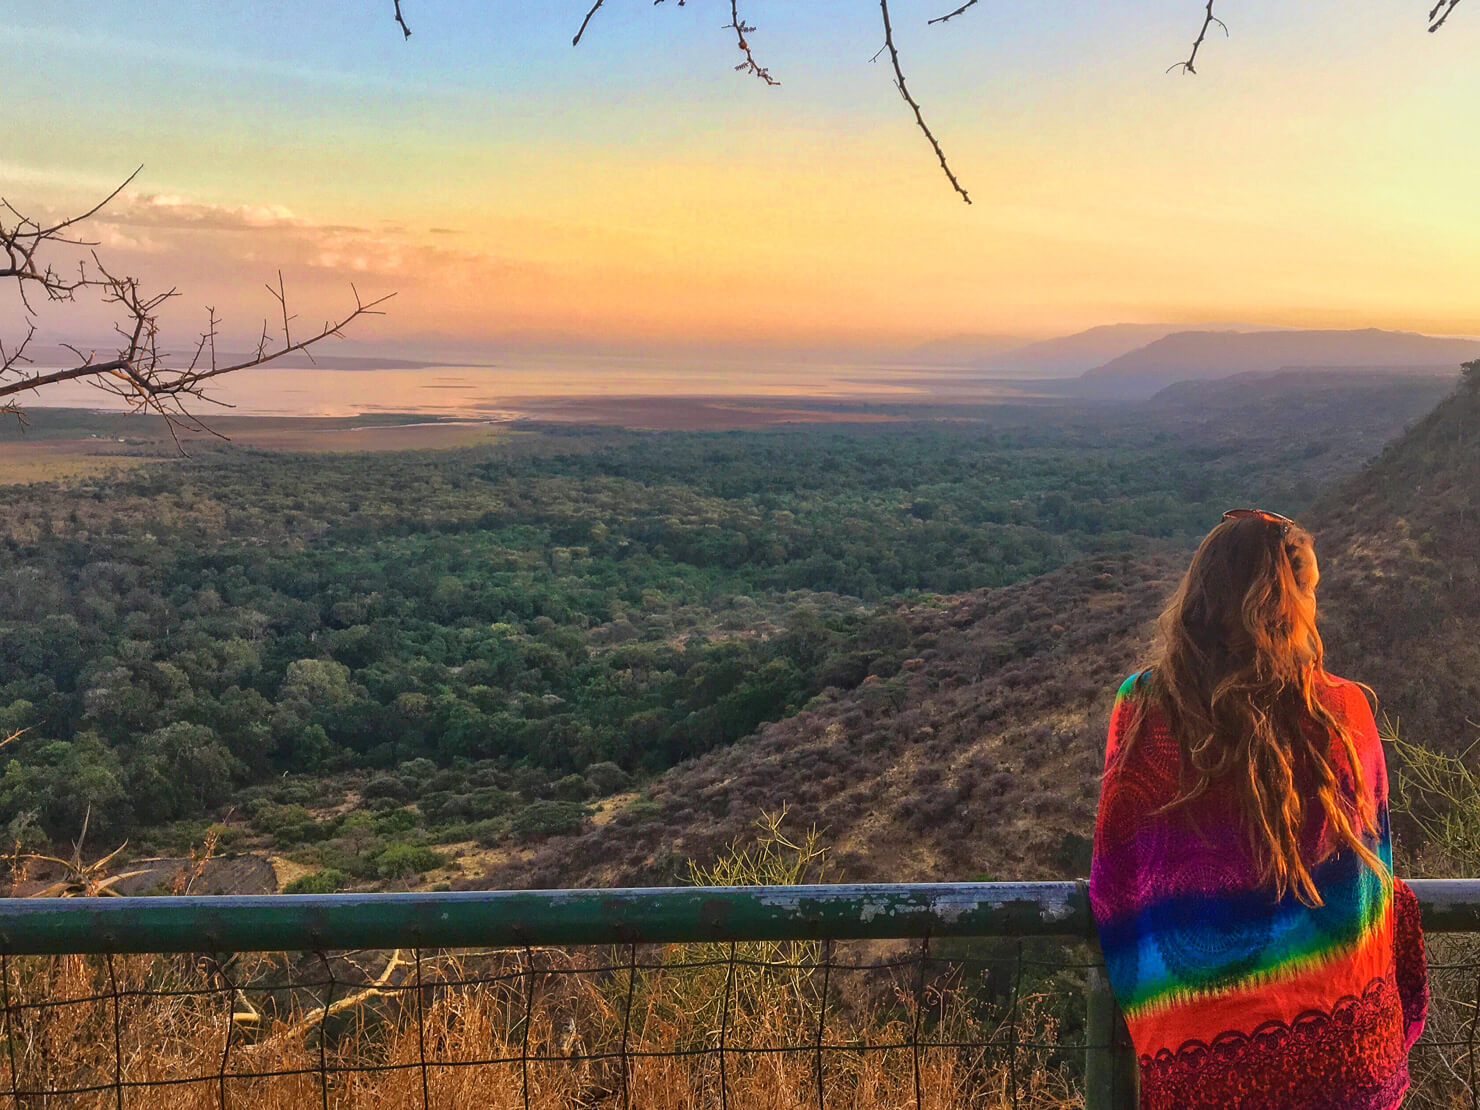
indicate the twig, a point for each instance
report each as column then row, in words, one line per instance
column 910, row 100
column 952, row 15
column 22, row 241
column 741, row 29
column 594, row 8
column 405, row 30
column 1208, row 20
column 136, row 373
column 1440, row 13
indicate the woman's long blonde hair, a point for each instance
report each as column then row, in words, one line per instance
column 1237, row 675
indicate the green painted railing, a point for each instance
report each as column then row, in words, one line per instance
column 47, row 926
column 307, row 922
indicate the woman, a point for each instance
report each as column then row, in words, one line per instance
column 1262, row 951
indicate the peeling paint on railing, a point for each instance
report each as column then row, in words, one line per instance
column 475, row 918
column 308, row 922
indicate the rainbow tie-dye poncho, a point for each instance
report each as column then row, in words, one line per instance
column 1235, row 999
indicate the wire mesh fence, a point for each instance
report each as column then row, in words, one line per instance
column 1444, row 1066
column 860, row 1023
column 952, row 1017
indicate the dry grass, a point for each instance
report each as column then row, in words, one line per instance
column 1439, row 794
column 63, row 460
column 661, row 1027
column 478, row 1048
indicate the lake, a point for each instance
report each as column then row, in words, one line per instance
column 508, row 390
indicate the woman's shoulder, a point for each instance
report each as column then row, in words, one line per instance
column 1346, row 696
column 1134, row 687
column 1135, row 709
column 1151, row 762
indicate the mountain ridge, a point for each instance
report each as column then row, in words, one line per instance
column 1073, row 354
column 1197, row 355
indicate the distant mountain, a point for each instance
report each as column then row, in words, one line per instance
column 1070, row 355
column 1399, row 546
column 1188, row 355
column 962, row 350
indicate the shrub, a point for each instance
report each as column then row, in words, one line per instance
column 607, row 778
column 639, row 810
column 417, row 771
column 572, row 788
column 289, row 824
column 389, row 786
column 320, row 882
column 395, row 821
column 487, row 833
column 404, row 860
column 542, row 819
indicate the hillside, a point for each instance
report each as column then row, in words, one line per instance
column 1331, row 419
column 980, row 756
column 1400, row 548
column 1215, row 354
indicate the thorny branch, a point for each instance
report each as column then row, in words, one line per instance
column 952, row 15
column 904, row 91
column 1208, row 20
column 1440, row 13
column 137, row 371
column 741, row 29
column 23, row 240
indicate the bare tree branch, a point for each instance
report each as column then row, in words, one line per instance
column 405, row 30
column 594, row 9
column 22, row 241
column 952, row 15
column 136, row 371
column 1208, row 20
column 741, row 29
column 1440, row 13
column 910, row 100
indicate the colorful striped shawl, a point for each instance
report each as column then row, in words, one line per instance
column 1235, row 998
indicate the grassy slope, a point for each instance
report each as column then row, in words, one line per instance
column 982, row 757
column 1400, row 545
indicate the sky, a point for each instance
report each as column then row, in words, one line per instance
column 1320, row 169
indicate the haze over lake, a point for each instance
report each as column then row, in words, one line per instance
column 503, row 390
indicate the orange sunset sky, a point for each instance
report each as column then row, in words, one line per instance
column 1321, row 169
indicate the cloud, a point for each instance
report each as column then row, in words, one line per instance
column 164, row 223
column 170, row 210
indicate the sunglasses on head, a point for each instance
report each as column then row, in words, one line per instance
column 1284, row 522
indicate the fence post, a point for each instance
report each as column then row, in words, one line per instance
column 1110, row 1068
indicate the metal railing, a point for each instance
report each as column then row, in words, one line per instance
column 968, row 1026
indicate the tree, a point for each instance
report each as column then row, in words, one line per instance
column 179, row 771
column 51, row 263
